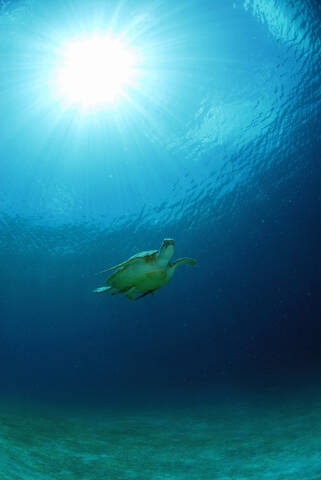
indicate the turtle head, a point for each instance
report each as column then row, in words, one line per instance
column 166, row 251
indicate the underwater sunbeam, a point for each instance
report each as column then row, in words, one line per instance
column 95, row 71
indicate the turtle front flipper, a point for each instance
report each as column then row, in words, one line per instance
column 184, row 261
column 111, row 268
column 131, row 293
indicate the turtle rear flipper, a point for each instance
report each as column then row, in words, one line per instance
column 146, row 293
column 102, row 289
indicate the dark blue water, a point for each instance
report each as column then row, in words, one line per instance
column 218, row 147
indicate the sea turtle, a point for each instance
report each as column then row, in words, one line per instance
column 144, row 273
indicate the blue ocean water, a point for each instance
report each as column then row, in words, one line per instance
column 217, row 147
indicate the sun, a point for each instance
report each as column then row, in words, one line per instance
column 95, row 71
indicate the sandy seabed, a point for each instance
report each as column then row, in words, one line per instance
column 207, row 440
